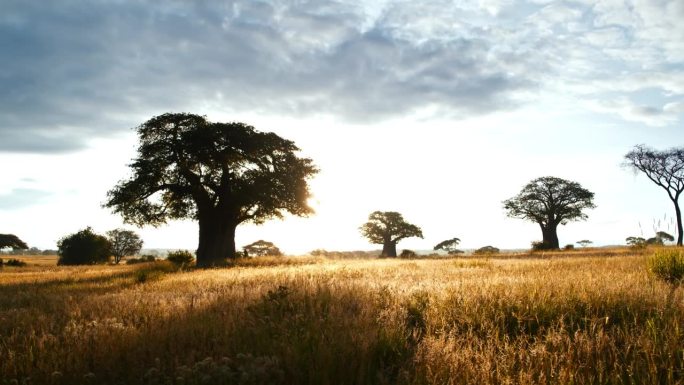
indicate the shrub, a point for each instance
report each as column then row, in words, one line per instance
column 569, row 247
column 15, row 263
column 83, row 248
column 408, row 254
column 668, row 265
column 541, row 246
column 181, row 258
column 143, row 259
column 487, row 250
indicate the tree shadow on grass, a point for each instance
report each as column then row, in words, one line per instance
column 287, row 335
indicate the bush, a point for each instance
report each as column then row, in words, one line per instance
column 408, row 254
column 541, row 246
column 83, row 248
column 487, row 250
column 569, row 247
column 143, row 259
column 668, row 265
column 15, row 263
column 182, row 258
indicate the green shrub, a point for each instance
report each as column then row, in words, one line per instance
column 181, row 258
column 569, row 247
column 668, row 265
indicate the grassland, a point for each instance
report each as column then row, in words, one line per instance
column 585, row 317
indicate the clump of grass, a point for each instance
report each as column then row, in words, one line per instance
column 154, row 271
column 667, row 264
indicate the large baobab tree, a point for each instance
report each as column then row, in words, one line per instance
column 220, row 174
column 550, row 202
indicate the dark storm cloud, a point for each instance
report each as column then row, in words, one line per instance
column 73, row 70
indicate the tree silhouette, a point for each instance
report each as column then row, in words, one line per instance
column 665, row 169
column 83, row 248
column 584, row 242
column 387, row 228
column 449, row 246
column 660, row 238
column 550, row 202
column 123, row 242
column 637, row 242
column 220, row 174
column 261, row 248
column 12, row 241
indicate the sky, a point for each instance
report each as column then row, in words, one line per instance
column 439, row 110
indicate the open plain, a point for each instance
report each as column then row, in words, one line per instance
column 582, row 317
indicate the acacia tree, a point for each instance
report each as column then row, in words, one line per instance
column 584, row 242
column 123, row 242
column 387, row 228
column 550, row 202
column 12, row 241
column 665, row 169
column 261, row 248
column 220, row 174
column 449, row 246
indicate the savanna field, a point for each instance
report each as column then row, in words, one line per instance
column 580, row 317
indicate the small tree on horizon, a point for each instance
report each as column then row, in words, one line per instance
column 636, row 242
column 123, row 243
column 261, row 248
column 449, row 246
column 584, row 242
column 550, row 201
column 12, row 241
column 387, row 228
column 660, row 238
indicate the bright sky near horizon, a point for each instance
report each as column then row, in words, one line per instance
column 437, row 109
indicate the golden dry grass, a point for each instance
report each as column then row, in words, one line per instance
column 586, row 317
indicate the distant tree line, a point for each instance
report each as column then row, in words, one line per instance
column 226, row 174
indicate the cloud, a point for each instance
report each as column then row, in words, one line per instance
column 21, row 198
column 647, row 114
column 78, row 70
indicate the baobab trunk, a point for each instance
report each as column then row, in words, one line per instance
column 216, row 242
column 389, row 249
column 550, row 235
